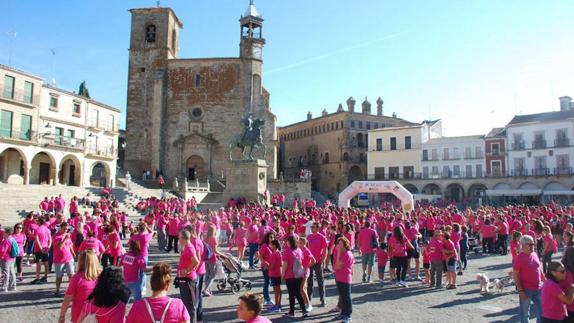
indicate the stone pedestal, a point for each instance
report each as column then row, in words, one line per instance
column 247, row 179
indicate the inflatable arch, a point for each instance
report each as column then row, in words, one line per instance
column 392, row 187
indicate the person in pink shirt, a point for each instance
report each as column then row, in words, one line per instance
column 550, row 246
column 172, row 232
column 108, row 300
column 435, row 256
column 92, row 243
column 63, row 251
column 7, row 261
column 114, row 245
column 201, row 255
column 239, row 239
column 367, row 239
column 566, row 284
column 488, row 232
column 319, row 249
column 275, row 266
column 249, row 309
column 292, row 255
column 554, row 299
column 143, row 237
column 308, row 262
column 263, row 255
column 343, row 265
column 515, row 244
column 382, row 259
column 398, row 246
column 187, row 273
column 159, row 306
column 42, row 243
column 20, row 238
column 253, row 240
column 81, row 285
column 211, row 241
column 133, row 264
column 527, row 277
column 450, row 258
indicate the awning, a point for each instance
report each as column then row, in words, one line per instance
column 558, row 192
column 513, row 192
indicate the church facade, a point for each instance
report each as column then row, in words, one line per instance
column 183, row 115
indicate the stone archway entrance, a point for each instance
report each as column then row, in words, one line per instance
column 195, row 168
column 454, row 192
column 70, row 172
column 355, row 174
column 43, row 169
column 12, row 167
column 99, row 175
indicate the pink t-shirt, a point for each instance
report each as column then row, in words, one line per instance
column 364, row 239
column 43, row 234
column 449, row 245
column 435, row 249
column 259, row 319
column 253, row 234
column 275, row 262
column 114, row 314
column 143, row 239
column 92, row 243
column 488, row 231
column 176, row 312
column 289, row 257
column 112, row 239
column 239, row 236
column 528, row 266
column 79, row 289
column 566, row 284
column 264, row 254
column 345, row 273
column 399, row 249
column 5, row 249
column 62, row 254
column 132, row 265
column 20, row 240
column 317, row 245
column 187, row 253
column 552, row 307
column 382, row 257
column 199, row 248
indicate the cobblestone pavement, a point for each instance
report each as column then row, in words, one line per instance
column 371, row 302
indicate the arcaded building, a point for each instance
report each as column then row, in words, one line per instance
column 333, row 146
column 183, row 114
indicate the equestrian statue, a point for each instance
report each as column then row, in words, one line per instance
column 252, row 137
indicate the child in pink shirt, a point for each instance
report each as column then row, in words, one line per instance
column 382, row 258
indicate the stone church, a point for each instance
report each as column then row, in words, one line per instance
column 183, row 114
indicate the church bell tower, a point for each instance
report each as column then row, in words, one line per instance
column 252, row 41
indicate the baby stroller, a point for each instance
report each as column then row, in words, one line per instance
column 232, row 269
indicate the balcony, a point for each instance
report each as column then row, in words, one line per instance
column 541, row 171
column 19, row 96
column 518, row 145
column 519, row 172
column 539, row 144
column 495, row 153
column 101, row 151
column 475, row 156
column 561, row 171
column 562, row 142
column 17, row 135
column 53, row 140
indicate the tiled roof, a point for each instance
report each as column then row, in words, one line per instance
column 542, row 117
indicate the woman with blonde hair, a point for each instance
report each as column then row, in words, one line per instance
column 81, row 285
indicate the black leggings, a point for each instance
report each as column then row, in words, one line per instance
column 402, row 265
column 19, row 265
column 463, row 260
column 172, row 241
column 294, row 290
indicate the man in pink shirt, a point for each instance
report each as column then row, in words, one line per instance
column 318, row 247
column 42, row 243
column 436, row 265
column 527, row 277
column 368, row 241
column 186, row 276
column 253, row 240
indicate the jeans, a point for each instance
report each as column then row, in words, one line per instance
column 9, row 273
column 266, row 282
column 253, row 248
column 436, row 270
column 317, row 269
column 402, row 264
column 172, row 241
column 136, row 289
column 199, row 297
column 463, row 260
column 143, row 275
column 222, row 237
column 294, row 290
column 344, row 290
column 534, row 297
column 187, row 292
column 487, row 245
column 209, row 275
column 161, row 239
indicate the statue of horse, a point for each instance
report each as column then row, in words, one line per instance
column 252, row 137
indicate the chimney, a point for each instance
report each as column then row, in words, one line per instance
column 565, row 103
column 309, row 115
column 351, row 104
column 380, row 106
column 366, row 106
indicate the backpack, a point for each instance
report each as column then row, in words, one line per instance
column 151, row 313
column 207, row 252
column 93, row 317
column 15, row 250
column 374, row 242
column 298, row 269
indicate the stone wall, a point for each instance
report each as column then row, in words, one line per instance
column 291, row 190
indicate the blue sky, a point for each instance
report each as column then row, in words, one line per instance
column 472, row 63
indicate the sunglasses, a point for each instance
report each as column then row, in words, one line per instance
column 530, row 244
column 561, row 271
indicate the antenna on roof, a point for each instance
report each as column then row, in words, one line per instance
column 12, row 36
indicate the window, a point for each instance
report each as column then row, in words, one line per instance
column 77, row 109
column 360, row 124
column 71, row 138
column 376, row 125
column 326, row 158
column 8, row 87
column 59, row 133
column 478, row 170
column 408, row 142
column 562, row 164
column 467, row 153
column 426, row 172
column 150, row 34
column 561, row 138
column 519, row 167
column 346, row 156
column 6, row 123
column 393, row 173
column 379, row 173
column 456, row 170
column 360, row 140
column 379, row 144
column 434, row 172
column 362, row 158
column 477, row 152
column 468, row 171
column 518, row 143
column 53, row 103
column 71, row 133
column 495, row 149
column 26, row 127
column 445, row 154
column 173, row 40
column 425, row 155
column 445, row 171
column 408, row 172
column 28, row 92
column 434, row 154
column 393, row 143
column 352, row 123
column 368, row 125
column 197, row 80
column 540, row 165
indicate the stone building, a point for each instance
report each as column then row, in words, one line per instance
column 183, row 114
column 333, row 146
column 52, row 136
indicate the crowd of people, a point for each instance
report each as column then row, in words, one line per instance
column 105, row 255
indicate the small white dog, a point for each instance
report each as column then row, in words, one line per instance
column 484, row 283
